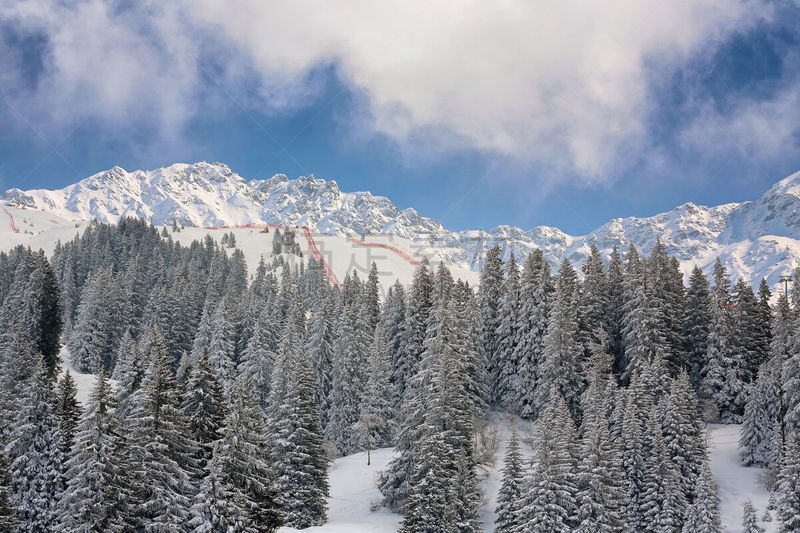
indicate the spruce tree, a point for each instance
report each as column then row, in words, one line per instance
column 703, row 514
column 601, row 494
column 157, row 441
column 562, row 365
column 696, row 324
column 8, row 511
column 320, row 353
column 376, row 424
column 789, row 487
column 750, row 519
column 760, row 415
column 96, row 484
column 241, row 461
column 721, row 383
column 490, row 294
column 216, row 508
column 508, row 499
column 549, row 493
column 36, row 460
column 506, row 335
column 301, row 463
column 67, row 411
column 203, row 401
column 534, row 309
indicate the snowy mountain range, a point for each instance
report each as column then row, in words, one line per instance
column 754, row 239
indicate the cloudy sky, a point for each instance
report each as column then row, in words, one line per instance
column 561, row 113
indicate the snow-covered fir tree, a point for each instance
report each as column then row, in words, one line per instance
column 34, row 445
column 508, row 499
column 750, row 518
column 376, row 424
column 563, row 352
column 721, row 380
column 534, row 310
column 67, row 411
column 96, row 488
column 549, row 491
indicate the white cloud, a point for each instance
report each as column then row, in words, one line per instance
column 564, row 83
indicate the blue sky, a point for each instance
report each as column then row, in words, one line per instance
column 550, row 116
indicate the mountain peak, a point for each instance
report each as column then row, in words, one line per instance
column 752, row 238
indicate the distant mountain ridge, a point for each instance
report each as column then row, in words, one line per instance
column 754, row 239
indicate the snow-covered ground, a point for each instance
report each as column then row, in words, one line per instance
column 735, row 483
column 354, row 491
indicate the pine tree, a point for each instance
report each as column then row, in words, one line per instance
column 8, row 512
column 221, row 347
column 683, row 433
column 243, row 462
column 489, row 299
column 696, row 324
column 548, row 502
column 301, row 463
column 158, row 449
column 506, row 335
column 203, row 401
column 320, row 353
column 216, row 508
column 349, row 381
column 535, row 294
column 750, row 519
column 703, row 514
column 561, row 368
column 721, row 382
column 36, row 459
column 662, row 499
column 67, row 411
column 789, row 487
column 95, row 490
column 376, row 423
column 595, row 297
column 508, row 499
column 760, row 415
column 371, row 299
column 258, row 358
column 601, row 495
column 89, row 343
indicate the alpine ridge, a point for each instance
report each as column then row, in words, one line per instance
column 753, row 239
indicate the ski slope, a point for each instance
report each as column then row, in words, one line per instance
column 396, row 257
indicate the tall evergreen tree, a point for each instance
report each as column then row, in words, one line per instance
column 203, row 401
column 562, row 365
column 36, row 459
column 506, row 335
column 67, row 411
column 549, row 494
column 534, row 309
column 721, row 383
column 241, row 461
column 696, row 324
column 789, row 487
column 301, row 463
column 376, row 423
column 490, row 294
column 508, row 499
column 95, row 490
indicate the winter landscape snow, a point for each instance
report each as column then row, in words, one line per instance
column 638, row 389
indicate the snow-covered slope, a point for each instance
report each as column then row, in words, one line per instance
column 754, row 239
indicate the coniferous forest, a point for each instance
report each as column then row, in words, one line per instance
column 223, row 395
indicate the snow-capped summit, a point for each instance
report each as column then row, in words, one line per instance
column 754, row 239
